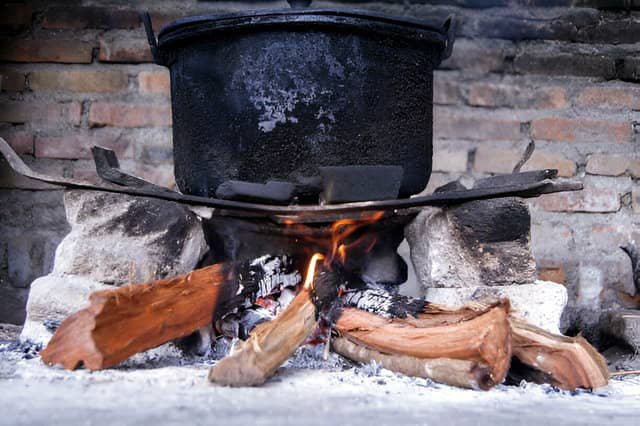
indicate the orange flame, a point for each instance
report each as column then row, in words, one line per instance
column 311, row 272
column 343, row 229
column 338, row 248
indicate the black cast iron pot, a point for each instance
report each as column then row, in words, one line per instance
column 273, row 95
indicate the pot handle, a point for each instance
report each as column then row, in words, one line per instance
column 449, row 28
column 151, row 37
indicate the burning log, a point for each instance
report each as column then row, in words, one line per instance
column 566, row 362
column 480, row 338
column 271, row 343
column 122, row 322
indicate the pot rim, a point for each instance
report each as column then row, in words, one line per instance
column 186, row 28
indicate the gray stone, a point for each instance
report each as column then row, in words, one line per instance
column 114, row 240
column 623, row 325
column 53, row 298
column 541, row 303
column 479, row 243
column 32, row 224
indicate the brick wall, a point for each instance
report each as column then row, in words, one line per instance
column 563, row 73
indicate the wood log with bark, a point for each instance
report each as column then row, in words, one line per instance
column 440, row 344
column 471, row 348
column 121, row 322
column 566, row 362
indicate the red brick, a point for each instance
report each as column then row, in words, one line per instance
column 581, row 130
column 12, row 81
column 608, row 165
column 160, row 19
column 552, row 271
column 450, row 161
column 79, row 18
column 125, row 50
column 506, row 95
column 154, row 83
column 15, row 15
column 39, row 112
column 633, row 167
column 590, row 200
column 64, row 51
column 21, row 141
column 482, row 56
column 488, row 160
column 450, row 124
column 610, row 97
column 551, row 160
column 446, row 91
column 79, row 81
column 78, row 145
column 129, row 115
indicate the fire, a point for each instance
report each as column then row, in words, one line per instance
column 341, row 231
column 311, row 271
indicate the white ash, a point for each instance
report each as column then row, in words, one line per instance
column 33, row 393
column 273, row 274
column 312, row 357
column 383, row 302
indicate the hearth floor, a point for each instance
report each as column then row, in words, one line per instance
column 157, row 390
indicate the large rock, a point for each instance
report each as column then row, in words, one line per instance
column 541, row 303
column 478, row 243
column 114, row 240
column 52, row 298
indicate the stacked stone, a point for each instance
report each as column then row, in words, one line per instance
column 115, row 240
column 72, row 76
column 480, row 251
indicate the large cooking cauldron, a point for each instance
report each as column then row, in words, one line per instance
column 273, row 95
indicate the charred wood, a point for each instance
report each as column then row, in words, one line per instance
column 121, row 322
column 383, row 303
column 271, row 343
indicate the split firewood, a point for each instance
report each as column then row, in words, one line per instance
column 271, row 343
column 121, row 322
column 481, row 338
column 566, row 362
column 454, row 372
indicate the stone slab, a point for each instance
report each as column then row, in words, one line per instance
column 541, row 303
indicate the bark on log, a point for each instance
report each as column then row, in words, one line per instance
column 271, row 343
column 454, row 372
column 119, row 323
column 567, row 362
column 482, row 337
